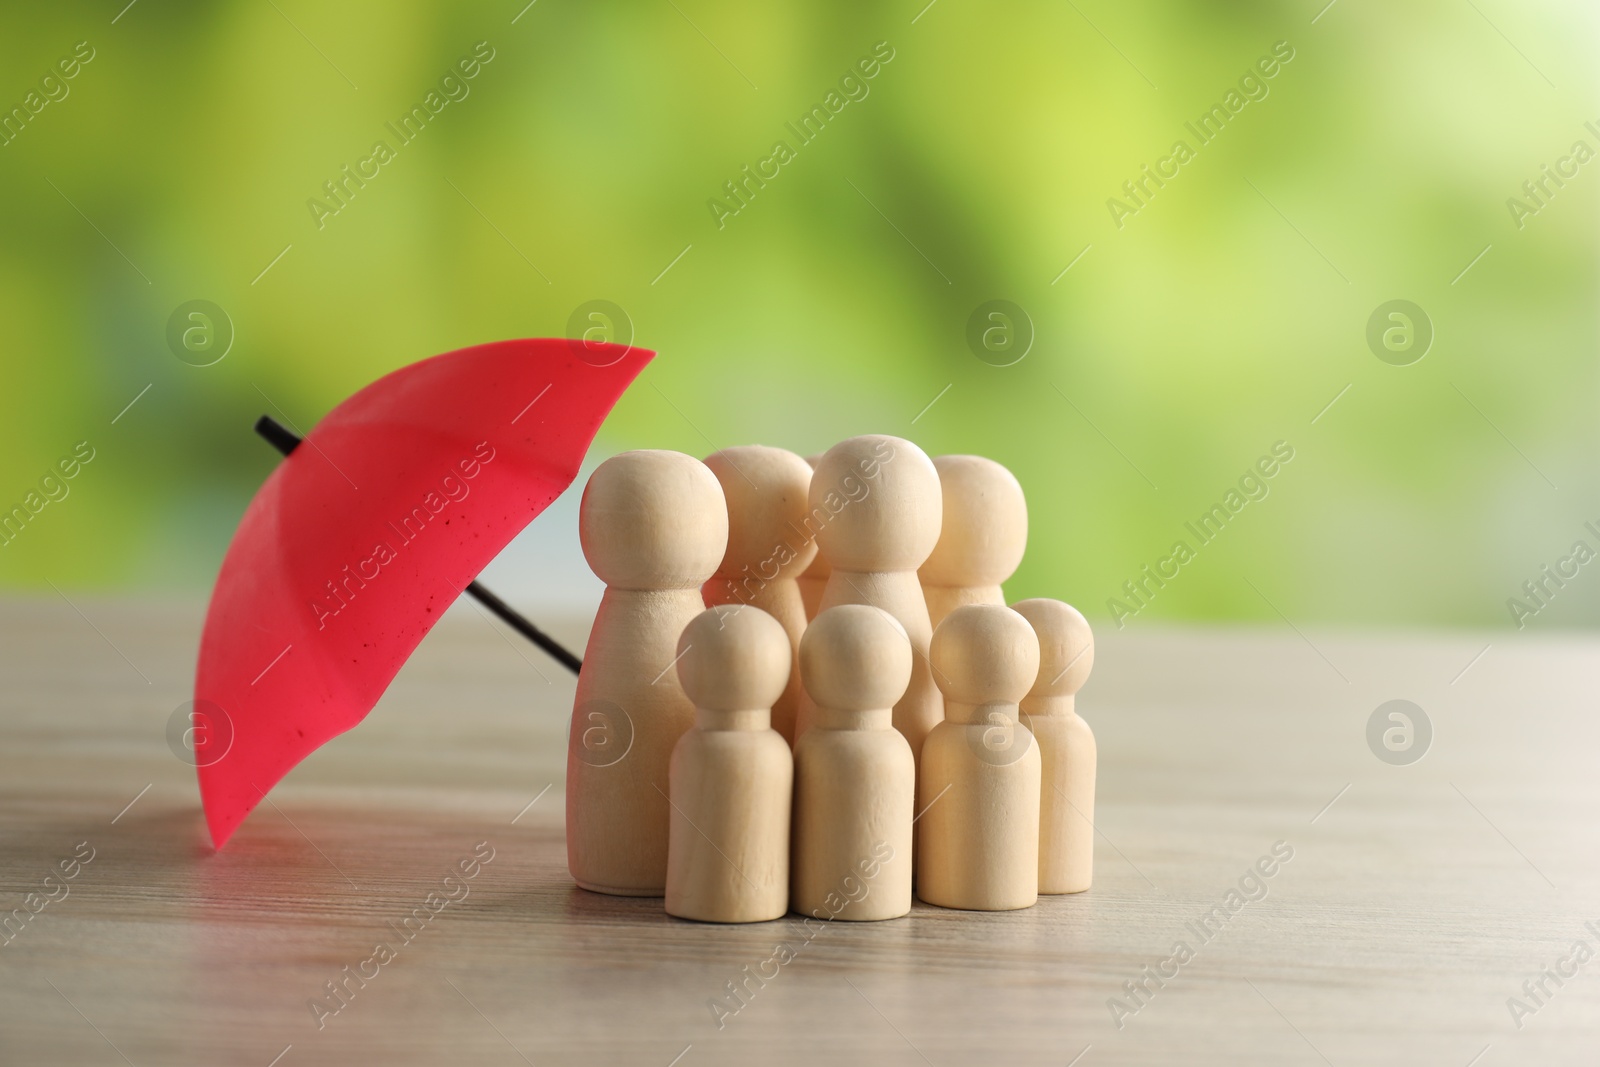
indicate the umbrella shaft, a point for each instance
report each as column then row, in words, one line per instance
column 511, row 618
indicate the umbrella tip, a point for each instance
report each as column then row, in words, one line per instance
column 276, row 434
column 220, row 830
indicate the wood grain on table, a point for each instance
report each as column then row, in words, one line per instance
column 1418, row 899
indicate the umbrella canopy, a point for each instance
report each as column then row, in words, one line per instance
column 363, row 536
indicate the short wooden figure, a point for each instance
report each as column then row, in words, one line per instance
column 732, row 774
column 877, row 501
column 982, row 538
column 854, row 776
column 978, row 787
column 1066, row 745
column 815, row 578
column 769, row 547
column 654, row 527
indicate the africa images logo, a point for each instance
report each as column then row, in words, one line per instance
column 347, row 584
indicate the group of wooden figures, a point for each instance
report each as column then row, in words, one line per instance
column 856, row 716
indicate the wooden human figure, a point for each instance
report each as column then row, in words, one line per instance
column 875, row 500
column 978, row 787
column 768, row 548
column 854, row 777
column 815, row 577
column 732, row 774
column 982, row 538
column 1066, row 745
column 654, row 526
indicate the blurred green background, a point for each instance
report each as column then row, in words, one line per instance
column 1222, row 317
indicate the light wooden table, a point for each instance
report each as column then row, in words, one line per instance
column 1415, row 904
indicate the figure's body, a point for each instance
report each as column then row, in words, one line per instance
column 768, row 549
column 732, row 774
column 854, row 776
column 981, row 538
column 654, row 526
column 1066, row 745
column 978, row 787
column 880, row 496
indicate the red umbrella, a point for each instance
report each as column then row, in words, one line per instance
column 364, row 535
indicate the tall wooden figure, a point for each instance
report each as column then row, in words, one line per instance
column 877, row 501
column 854, row 778
column 982, row 538
column 769, row 547
column 978, row 788
column 654, row 526
column 1066, row 745
column 732, row 774
column 815, row 577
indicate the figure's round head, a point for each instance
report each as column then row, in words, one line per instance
column 876, row 499
column 653, row 520
column 766, row 493
column 982, row 653
column 985, row 526
column 1066, row 645
column 855, row 658
column 734, row 658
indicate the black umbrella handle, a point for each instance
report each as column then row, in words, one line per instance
column 285, row 441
